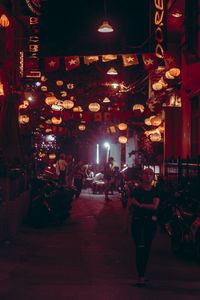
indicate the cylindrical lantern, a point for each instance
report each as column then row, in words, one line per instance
column 155, row 137
column 138, row 107
column 81, row 127
column 23, row 119
column 122, row 126
column 4, row 21
column 68, row 104
column 156, row 121
column 56, row 121
column 52, row 156
column 94, row 107
column 50, row 100
column 122, row 139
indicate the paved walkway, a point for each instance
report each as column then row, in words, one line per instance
column 90, row 258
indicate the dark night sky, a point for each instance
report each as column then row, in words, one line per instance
column 70, row 28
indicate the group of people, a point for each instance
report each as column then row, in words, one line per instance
column 70, row 172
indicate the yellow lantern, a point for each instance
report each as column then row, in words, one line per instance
column 174, row 72
column 23, row 119
column 156, row 121
column 52, row 156
column 24, row 105
column 138, row 107
column 59, row 82
column 157, row 86
column 56, row 121
column 94, row 107
column 4, row 21
column 43, row 88
column 81, row 127
column 122, row 139
column 122, row 126
column 68, row 104
column 77, row 109
column 155, row 137
column 50, row 100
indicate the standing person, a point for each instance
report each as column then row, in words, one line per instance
column 79, row 174
column 108, row 171
column 61, row 166
column 143, row 204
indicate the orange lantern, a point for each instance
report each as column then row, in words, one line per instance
column 122, row 126
column 161, row 129
column 50, row 100
column 48, row 130
column 59, row 82
column 4, row 21
column 77, row 109
column 155, row 137
column 147, row 121
column 68, row 104
column 24, row 105
column 52, row 156
column 23, row 119
column 94, row 107
column 174, row 72
column 56, row 121
column 157, row 86
column 40, row 154
column 138, row 107
column 156, row 121
column 1, row 89
column 43, row 88
column 81, row 127
column 122, row 139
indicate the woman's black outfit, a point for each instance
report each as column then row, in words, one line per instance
column 143, row 226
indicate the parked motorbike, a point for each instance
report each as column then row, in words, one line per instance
column 184, row 230
column 50, row 203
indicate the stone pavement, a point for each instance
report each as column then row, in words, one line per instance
column 89, row 257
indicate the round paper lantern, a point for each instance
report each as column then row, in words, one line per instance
column 168, row 75
column 122, row 126
column 23, row 119
column 4, row 21
column 138, row 107
column 81, row 127
column 52, row 156
column 59, row 82
column 24, row 105
column 94, row 107
column 77, row 109
column 122, row 139
column 58, row 106
column 174, row 72
column 161, row 129
column 147, row 121
column 43, row 88
column 156, row 121
column 157, row 86
column 56, row 121
column 155, row 137
column 50, row 100
column 68, row 104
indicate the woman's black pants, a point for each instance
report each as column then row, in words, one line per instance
column 143, row 231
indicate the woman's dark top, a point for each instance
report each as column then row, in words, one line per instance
column 144, row 197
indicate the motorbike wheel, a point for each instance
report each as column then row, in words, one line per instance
column 176, row 241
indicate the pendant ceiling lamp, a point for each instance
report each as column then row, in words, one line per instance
column 112, row 71
column 105, row 27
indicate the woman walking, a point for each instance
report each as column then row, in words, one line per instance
column 143, row 204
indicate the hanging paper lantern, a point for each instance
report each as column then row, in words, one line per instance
column 59, row 82
column 156, row 121
column 40, row 154
column 147, row 121
column 1, row 89
column 56, row 121
column 48, row 130
column 161, row 129
column 23, row 119
column 4, row 21
column 58, row 106
column 174, row 72
column 70, row 86
column 50, row 100
column 122, row 139
column 155, row 137
column 68, row 104
column 77, row 109
column 24, row 105
column 81, row 127
column 63, row 94
column 122, row 126
column 139, row 107
column 52, row 156
column 168, row 75
column 94, row 107
column 43, row 88
column 157, row 86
